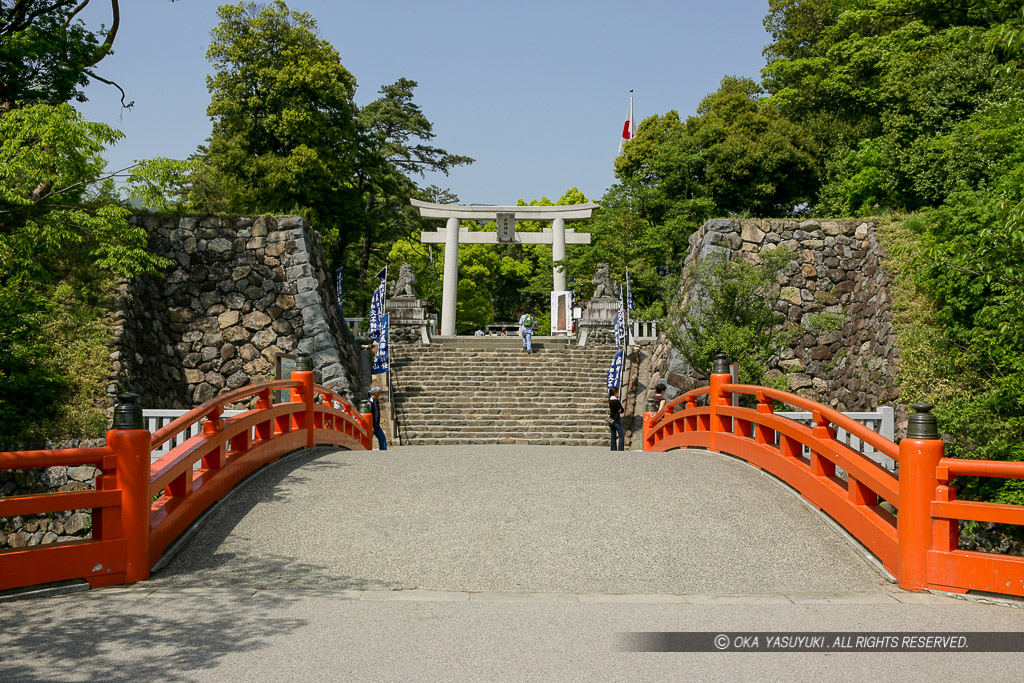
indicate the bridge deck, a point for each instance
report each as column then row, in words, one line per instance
column 258, row 594
column 508, row 518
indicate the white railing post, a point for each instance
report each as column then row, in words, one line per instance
column 882, row 421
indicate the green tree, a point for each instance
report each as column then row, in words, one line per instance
column 51, row 163
column 623, row 238
column 661, row 173
column 48, row 55
column 873, row 82
column 731, row 309
column 287, row 137
column 284, row 124
column 393, row 149
column 757, row 162
column 56, row 218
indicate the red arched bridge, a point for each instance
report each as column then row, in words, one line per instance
column 908, row 521
column 139, row 508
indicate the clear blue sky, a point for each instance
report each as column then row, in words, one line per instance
column 536, row 92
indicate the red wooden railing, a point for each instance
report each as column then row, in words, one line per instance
column 918, row 545
column 139, row 509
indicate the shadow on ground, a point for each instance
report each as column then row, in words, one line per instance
column 100, row 638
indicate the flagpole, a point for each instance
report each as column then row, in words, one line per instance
column 622, row 311
column 629, row 127
column 629, row 297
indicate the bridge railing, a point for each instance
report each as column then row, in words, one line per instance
column 881, row 421
column 919, row 544
column 139, row 508
column 158, row 417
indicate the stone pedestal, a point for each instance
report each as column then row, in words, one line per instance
column 597, row 326
column 408, row 320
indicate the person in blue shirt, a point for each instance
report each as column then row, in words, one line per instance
column 526, row 324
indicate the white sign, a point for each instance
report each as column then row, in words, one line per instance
column 561, row 313
column 506, row 227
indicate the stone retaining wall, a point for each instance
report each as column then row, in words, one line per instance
column 56, row 527
column 836, row 289
column 239, row 291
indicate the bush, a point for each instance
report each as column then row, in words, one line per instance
column 732, row 309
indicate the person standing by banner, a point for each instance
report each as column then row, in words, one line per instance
column 375, row 413
column 614, row 380
column 614, row 419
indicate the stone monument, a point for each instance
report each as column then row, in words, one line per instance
column 598, row 321
column 407, row 315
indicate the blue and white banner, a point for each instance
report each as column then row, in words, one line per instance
column 620, row 324
column 619, row 329
column 382, row 362
column 376, row 331
column 615, row 371
column 338, row 287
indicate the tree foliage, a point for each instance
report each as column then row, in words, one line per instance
column 917, row 105
column 48, row 54
column 394, row 148
column 284, row 128
column 288, row 137
column 56, row 218
column 732, row 310
column 63, row 231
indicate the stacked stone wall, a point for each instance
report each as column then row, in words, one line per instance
column 836, row 290
column 56, row 527
column 239, row 292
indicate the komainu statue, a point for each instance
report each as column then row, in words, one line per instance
column 404, row 284
column 603, row 285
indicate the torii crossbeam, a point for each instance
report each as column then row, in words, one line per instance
column 505, row 217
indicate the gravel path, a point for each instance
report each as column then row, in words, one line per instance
column 515, row 518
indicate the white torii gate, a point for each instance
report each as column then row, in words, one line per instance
column 505, row 217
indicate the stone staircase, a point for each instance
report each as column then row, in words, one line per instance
column 484, row 390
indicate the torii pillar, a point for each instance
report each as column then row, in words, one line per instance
column 505, row 217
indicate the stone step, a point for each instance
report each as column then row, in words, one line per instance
column 470, row 409
column 510, row 373
column 522, row 412
column 481, row 374
column 468, row 368
column 507, row 368
column 486, row 440
column 503, row 365
column 526, row 398
column 493, row 389
column 467, row 414
column 462, row 383
column 514, row 359
column 442, row 396
column 464, row 392
column 517, row 358
column 507, row 430
column 505, row 425
column 508, row 354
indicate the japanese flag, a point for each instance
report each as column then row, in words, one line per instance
column 629, row 127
